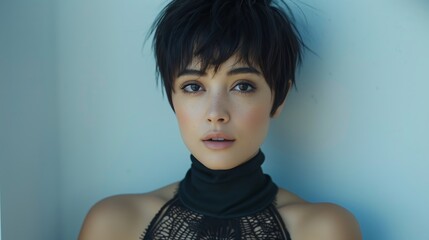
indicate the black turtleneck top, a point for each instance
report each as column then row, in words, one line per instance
column 231, row 204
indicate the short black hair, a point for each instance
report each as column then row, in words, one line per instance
column 259, row 32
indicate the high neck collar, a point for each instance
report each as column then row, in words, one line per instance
column 236, row 192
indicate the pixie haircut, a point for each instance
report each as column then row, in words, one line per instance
column 259, row 32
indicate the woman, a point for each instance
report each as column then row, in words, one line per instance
column 227, row 66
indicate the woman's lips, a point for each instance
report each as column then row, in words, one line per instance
column 217, row 140
column 218, row 145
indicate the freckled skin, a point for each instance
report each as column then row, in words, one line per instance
column 220, row 105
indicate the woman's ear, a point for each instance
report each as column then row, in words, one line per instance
column 280, row 107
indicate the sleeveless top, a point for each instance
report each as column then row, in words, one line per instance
column 233, row 204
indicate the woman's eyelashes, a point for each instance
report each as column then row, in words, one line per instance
column 244, row 87
column 195, row 87
column 191, row 88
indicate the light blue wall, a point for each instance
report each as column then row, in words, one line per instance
column 117, row 132
column 357, row 129
column 355, row 132
column 29, row 149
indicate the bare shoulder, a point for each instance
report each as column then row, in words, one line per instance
column 309, row 221
column 124, row 216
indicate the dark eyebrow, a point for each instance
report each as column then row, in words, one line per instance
column 191, row 72
column 242, row 70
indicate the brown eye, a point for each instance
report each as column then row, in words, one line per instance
column 244, row 87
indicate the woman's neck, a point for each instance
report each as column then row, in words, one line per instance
column 236, row 192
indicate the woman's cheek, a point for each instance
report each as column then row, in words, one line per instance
column 187, row 115
column 255, row 115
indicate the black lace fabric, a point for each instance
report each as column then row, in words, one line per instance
column 175, row 221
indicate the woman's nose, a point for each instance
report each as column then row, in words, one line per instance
column 217, row 111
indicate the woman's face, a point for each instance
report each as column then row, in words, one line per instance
column 223, row 116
